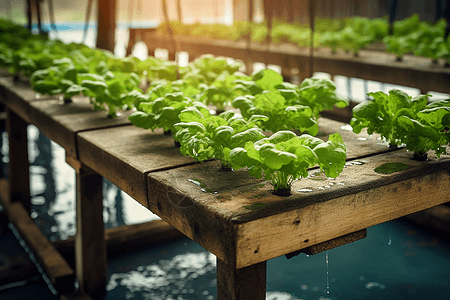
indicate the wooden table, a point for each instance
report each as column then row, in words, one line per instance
column 232, row 215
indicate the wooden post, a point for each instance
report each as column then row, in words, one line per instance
column 90, row 246
column 19, row 179
column 106, row 24
column 248, row 283
column 248, row 61
column 312, row 21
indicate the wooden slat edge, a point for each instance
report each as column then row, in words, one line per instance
column 333, row 243
column 259, row 240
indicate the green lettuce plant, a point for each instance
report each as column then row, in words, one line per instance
column 285, row 157
column 164, row 112
column 203, row 136
column 403, row 120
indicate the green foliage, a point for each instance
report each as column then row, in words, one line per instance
column 285, row 157
column 288, row 106
column 317, row 93
column 164, row 111
column 401, row 119
column 203, row 136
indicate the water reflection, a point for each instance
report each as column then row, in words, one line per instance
column 113, row 204
column 42, row 186
column 4, row 154
column 183, row 276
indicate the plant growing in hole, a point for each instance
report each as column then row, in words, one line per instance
column 281, row 116
column 210, row 68
column 221, row 91
column 317, row 93
column 285, row 157
column 164, row 111
column 112, row 90
column 203, row 136
column 401, row 119
column 288, row 106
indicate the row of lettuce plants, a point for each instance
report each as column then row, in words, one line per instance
column 350, row 34
column 177, row 99
column 413, row 123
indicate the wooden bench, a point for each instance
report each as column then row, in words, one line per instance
column 232, row 215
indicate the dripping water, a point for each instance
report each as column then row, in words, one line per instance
column 390, row 237
column 328, row 281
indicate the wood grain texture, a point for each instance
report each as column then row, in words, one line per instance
column 414, row 71
column 90, row 246
column 61, row 122
column 17, row 95
column 125, row 154
column 252, row 225
column 333, row 243
column 56, row 268
column 243, row 284
column 18, row 166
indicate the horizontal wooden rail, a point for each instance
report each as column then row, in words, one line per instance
column 56, row 268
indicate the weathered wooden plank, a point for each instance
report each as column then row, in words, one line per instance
column 253, row 225
column 125, row 154
column 413, row 71
column 18, row 166
column 90, row 246
column 241, row 284
column 17, row 94
column 56, row 268
column 182, row 196
column 334, row 243
column 367, row 199
column 61, row 122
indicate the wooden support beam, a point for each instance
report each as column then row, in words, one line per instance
column 106, row 24
column 328, row 245
column 90, row 246
column 248, row 283
column 55, row 267
column 19, row 179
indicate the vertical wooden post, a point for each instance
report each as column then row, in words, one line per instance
column 19, row 168
column 243, row 284
column 248, row 61
column 106, row 27
column 312, row 21
column 90, row 246
column 29, row 14
column 179, row 12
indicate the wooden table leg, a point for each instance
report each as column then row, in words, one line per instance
column 90, row 246
column 18, row 167
column 242, row 284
